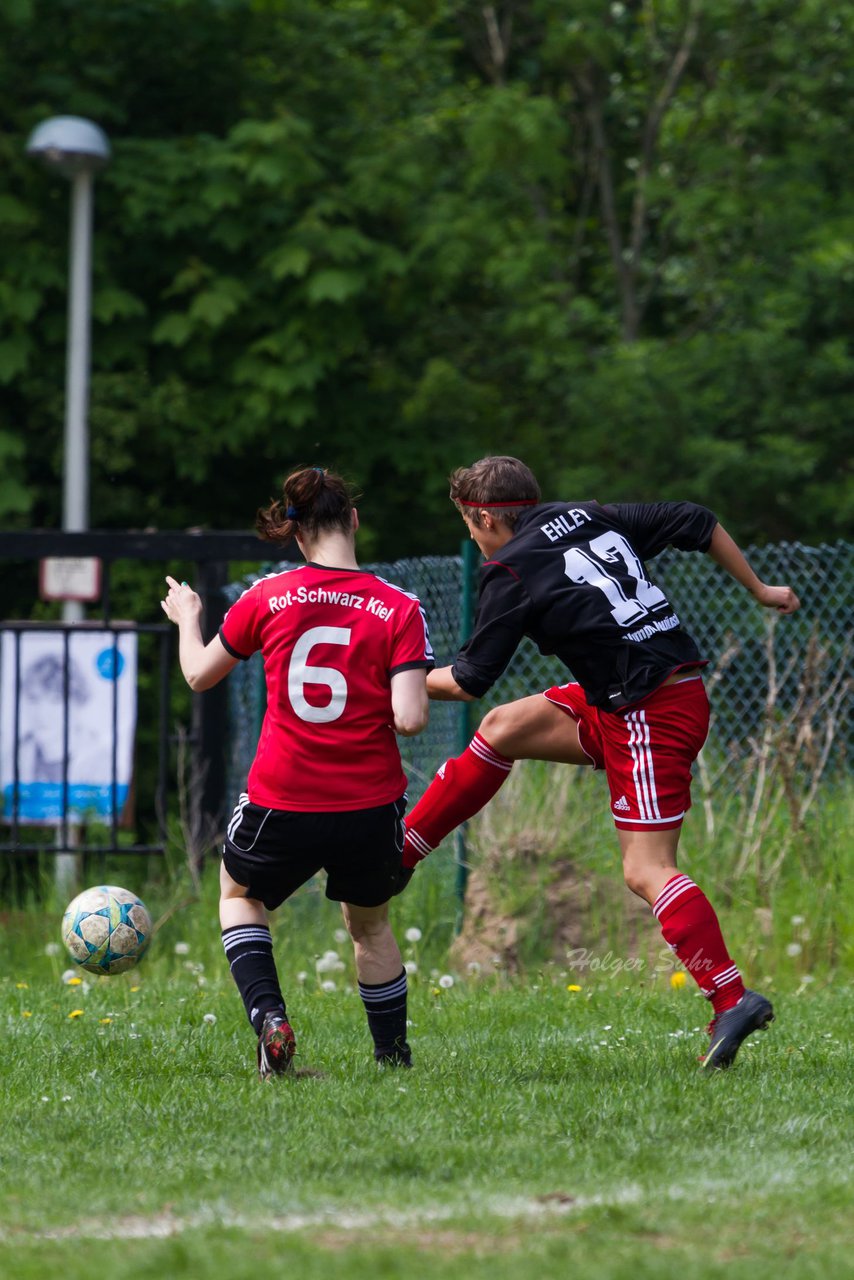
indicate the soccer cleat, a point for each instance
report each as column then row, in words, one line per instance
column 276, row 1046
column 727, row 1031
column 398, row 1056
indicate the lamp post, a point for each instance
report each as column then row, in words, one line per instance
column 77, row 149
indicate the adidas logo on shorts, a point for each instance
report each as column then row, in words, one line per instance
column 622, row 804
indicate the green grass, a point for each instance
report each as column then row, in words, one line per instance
column 543, row 1131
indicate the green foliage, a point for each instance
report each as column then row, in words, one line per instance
column 392, row 237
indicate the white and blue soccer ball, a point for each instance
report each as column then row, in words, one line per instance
column 106, row 929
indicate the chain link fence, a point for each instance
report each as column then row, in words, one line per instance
column 761, row 665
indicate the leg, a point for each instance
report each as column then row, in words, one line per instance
column 688, row 921
column 249, row 950
column 528, row 729
column 382, row 980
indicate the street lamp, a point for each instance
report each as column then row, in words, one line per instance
column 77, row 149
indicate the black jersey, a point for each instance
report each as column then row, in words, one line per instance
column 573, row 578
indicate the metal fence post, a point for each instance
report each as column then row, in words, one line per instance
column 468, row 551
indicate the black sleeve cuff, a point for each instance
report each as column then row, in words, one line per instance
column 243, row 657
column 424, row 664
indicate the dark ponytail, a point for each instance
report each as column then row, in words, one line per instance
column 313, row 500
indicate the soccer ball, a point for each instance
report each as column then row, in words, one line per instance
column 106, row 929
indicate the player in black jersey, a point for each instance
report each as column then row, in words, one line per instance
column 573, row 577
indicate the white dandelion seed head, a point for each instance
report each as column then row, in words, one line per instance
column 52, row 949
column 340, row 935
column 413, row 934
column 328, row 962
column 69, row 974
column 209, row 1018
column 302, row 976
column 327, row 986
column 446, row 981
column 473, row 968
column 410, row 966
column 182, row 948
column 794, row 949
column 796, row 920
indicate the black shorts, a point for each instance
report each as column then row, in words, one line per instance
column 274, row 851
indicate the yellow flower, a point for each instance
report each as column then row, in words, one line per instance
column 573, row 986
column 103, row 1021
column 76, row 1013
column 134, row 988
column 74, row 982
column 677, row 980
column 25, row 1013
column 22, row 986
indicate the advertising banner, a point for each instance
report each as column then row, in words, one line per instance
column 80, row 692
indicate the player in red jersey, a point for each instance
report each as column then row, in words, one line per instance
column 572, row 577
column 345, row 656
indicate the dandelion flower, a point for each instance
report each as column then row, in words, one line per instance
column 573, row 986
column 22, row 986
column 182, row 948
column 446, row 981
column 76, row 1013
column 794, row 949
column 473, row 968
column 302, row 976
column 104, row 1021
column 410, row 966
column 209, row 1018
column 25, row 1013
column 413, row 934
column 134, row 988
column 328, row 986
column 67, row 976
column 52, row 949
column 677, row 980
column 340, row 935
column 796, row 920
column 74, row 982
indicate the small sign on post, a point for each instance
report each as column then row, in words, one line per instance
column 70, row 578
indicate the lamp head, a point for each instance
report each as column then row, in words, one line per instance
column 69, row 144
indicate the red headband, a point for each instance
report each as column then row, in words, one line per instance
column 520, row 502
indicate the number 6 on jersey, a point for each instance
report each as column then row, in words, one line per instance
column 300, row 673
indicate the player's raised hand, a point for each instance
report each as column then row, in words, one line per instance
column 783, row 599
column 181, row 603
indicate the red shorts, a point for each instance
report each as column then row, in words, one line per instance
column 646, row 750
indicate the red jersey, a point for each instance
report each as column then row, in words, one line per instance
column 331, row 640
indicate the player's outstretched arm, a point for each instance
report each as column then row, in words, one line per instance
column 202, row 665
column 409, row 702
column 442, row 687
column 729, row 556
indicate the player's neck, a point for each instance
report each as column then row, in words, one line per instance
column 332, row 551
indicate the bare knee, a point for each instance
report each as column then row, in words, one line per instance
column 499, row 725
column 366, row 930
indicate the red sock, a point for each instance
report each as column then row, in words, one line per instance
column 460, row 788
column 690, row 928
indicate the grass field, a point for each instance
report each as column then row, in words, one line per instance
column 543, row 1132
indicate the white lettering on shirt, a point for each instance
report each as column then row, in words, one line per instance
column 647, row 632
column 563, row 524
column 316, row 595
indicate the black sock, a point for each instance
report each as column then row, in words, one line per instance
column 249, row 951
column 385, row 1005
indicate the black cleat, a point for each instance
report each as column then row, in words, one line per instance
column 276, row 1046
column 398, row 1056
column 727, row 1031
